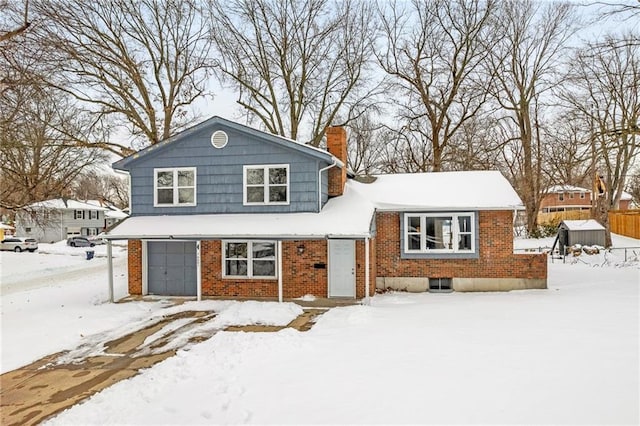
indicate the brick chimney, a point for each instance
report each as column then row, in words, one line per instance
column 337, row 146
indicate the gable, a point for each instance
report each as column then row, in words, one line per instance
column 197, row 141
column 219, row 171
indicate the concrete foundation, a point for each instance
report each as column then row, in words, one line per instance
column 421, row 284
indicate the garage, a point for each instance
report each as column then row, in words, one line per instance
column 172, row 269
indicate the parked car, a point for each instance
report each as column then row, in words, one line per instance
column 79, row 242
column 19, row 244
column 97, row 240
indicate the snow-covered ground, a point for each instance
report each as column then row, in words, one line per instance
column 569, row 354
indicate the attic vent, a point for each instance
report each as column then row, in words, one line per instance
column 219, row 139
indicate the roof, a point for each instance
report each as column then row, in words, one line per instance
column 60, row 204
column 566, row 188
column 583, row 225
column 469, row 190
column 126, row 162
column 4, row 226
column 348, row 216
column 569, row 188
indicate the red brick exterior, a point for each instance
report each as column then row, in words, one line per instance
column 337, row 145
column 553, row 200
column 134, row 266
column 299, row 275
column 496, row 257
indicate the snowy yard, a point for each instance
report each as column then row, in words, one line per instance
column 569, row 354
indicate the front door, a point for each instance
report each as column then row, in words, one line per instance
column 342, row 268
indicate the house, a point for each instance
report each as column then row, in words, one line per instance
column 57, row 219
column 561, row 198
column 222, row 209
column 5, row 229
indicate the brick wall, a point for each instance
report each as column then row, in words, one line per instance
column 299, row 274
column 134, row 266
column 337, row 146
column 496, row 259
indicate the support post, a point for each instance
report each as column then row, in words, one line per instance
column 366, row 271
column 198, row 271
column 110, row 269
column 279, row 271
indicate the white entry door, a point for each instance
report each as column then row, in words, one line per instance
column 342, row 268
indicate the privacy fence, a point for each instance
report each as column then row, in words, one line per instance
column 625, row 222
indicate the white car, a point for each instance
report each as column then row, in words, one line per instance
column 19, row 244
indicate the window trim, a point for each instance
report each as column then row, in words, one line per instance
column 175, row 186
column 454, row 218
column 250, row 260
column 93, row 213
column 265, row 168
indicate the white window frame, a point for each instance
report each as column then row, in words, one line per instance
column 265, row 170
column 77, row 216
column 250, row 260
column 93, row 215
column 561, row 196
column 175, row 186
column 454, row 230
column 582, row 196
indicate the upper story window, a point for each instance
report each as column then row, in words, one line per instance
column 561, row 196
column 175, row 187
column 582, row 195
column 266, row 184
column 439, row 233
column 93, row 214
column 78, row 214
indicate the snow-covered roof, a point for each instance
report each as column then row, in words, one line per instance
column 60, row 204
column 473, row 190
column 4, row 226
column 569, row 188
column 347, row 216
column 566, row 188
column 583, row 225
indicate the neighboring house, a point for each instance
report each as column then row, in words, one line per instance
column 222, row 209
column 5, row 230
column 561, row 198
column 58, row 219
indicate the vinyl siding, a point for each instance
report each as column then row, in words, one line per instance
column 219, row 174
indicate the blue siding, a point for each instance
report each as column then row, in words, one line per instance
column 219, row 174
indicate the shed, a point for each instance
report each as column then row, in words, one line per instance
column 585, row 232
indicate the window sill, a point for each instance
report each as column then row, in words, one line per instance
column 244, row 278
column 439, row 255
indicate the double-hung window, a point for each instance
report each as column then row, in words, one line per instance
column 175, row 187
column 266, row 184
column 439, row 233
column 250, row 259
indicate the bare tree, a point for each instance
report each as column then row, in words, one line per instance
column 525, row 62
column 434, row 52
column 365, row 145
column 13, row 28
column 104, row 187
column 605, row 89
column 296, row 64
column 38, row 162
column 141, row 63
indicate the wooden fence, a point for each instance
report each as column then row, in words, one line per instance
column 625, row 222
column 557, row 217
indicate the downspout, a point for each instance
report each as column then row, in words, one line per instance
column 366, row 271
column 110, row 269
column 335, row 163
